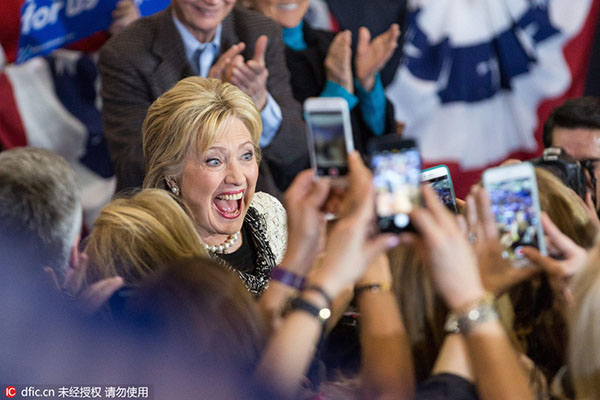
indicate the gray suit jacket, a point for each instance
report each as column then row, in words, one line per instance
column 147, row 58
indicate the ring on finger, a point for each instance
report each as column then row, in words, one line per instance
column 472, row 237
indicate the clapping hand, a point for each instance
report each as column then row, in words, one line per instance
column 250, row 76
column 372, row 55
column 338, row 62
column 124, row 13
column 217, row 71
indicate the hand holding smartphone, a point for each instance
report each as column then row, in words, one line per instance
column 329, row 135
column 515, row 203
column 439, row 179
column 396, row 166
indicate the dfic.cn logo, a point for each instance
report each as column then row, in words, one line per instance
column 10, row 391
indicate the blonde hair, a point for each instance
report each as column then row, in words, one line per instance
column 134, row 236
column 422, row 309
column 565, row 209
column 190, row 117
column 534, row 314
column 584, row 330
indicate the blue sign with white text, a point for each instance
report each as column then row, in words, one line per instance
column 50, row 24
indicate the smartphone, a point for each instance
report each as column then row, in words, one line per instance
column 439, row 179
column 396, row 166
column 329, row 133
column 515, row 203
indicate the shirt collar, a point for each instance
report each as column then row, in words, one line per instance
column 190, row 43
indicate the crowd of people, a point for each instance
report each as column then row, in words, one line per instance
column 217, row 270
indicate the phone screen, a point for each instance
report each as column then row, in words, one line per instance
column 396, row 175
column 327, row 129
column 516, row 215
column 443, row 187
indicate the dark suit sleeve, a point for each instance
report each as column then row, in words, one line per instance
column 126, row 99
column 288, row 152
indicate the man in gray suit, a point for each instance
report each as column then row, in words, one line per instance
column 210, row 38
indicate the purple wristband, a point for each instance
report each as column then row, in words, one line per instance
column 288, row 278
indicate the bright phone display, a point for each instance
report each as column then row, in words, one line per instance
column 515, row 204
column 439, row 179
column 396, row 166
column 329, row 135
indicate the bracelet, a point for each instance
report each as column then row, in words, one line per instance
column 300, row 304
column 463, row 321
column 288, row 278
column 372, row 287
column 322, row 292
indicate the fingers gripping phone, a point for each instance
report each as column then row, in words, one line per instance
column 396, row 166
column 329, row 135
column 439, row 179
column 515, row 203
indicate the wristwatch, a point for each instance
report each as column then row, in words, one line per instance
column 299, row 303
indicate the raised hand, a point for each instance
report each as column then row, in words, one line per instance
column 124, row 13
column 570, row 260
column 88, row 299
column 349, row 248
column 95, row 296
column 338, row 62
column 372, row 55
column 451, row 261
column 497, row 273
column 218, row 68
column 570, row 257
column 251, row 76
column 305, row 220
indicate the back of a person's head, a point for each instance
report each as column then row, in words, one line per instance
column 202, row 307
column 422, row 309
column 39, row 196
column 581, row 112
column 133, row 236
column 584, row 330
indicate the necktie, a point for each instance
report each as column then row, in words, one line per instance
column 198, row 61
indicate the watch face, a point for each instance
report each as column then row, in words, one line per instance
column 324, row 314
column 298, row 303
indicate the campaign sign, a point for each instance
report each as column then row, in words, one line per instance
column 149, row 7
column 49, row 24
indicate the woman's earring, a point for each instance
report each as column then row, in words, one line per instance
column 175, row 190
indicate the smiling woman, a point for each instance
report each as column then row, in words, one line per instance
column 200, row 141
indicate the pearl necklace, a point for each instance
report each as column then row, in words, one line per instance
column 223, row 247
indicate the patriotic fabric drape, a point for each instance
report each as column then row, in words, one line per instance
column 479, row 78
column 52, row 102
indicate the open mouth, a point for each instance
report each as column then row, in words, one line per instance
column 229, row 205
column 288, row 6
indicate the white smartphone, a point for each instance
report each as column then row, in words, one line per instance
column 329, row 135
column 515, row 203
column 439, row 179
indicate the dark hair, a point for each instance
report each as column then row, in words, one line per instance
column 581, row 112
column 202, row 308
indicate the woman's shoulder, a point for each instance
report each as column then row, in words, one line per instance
column 265, row 203
column 271, row 209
